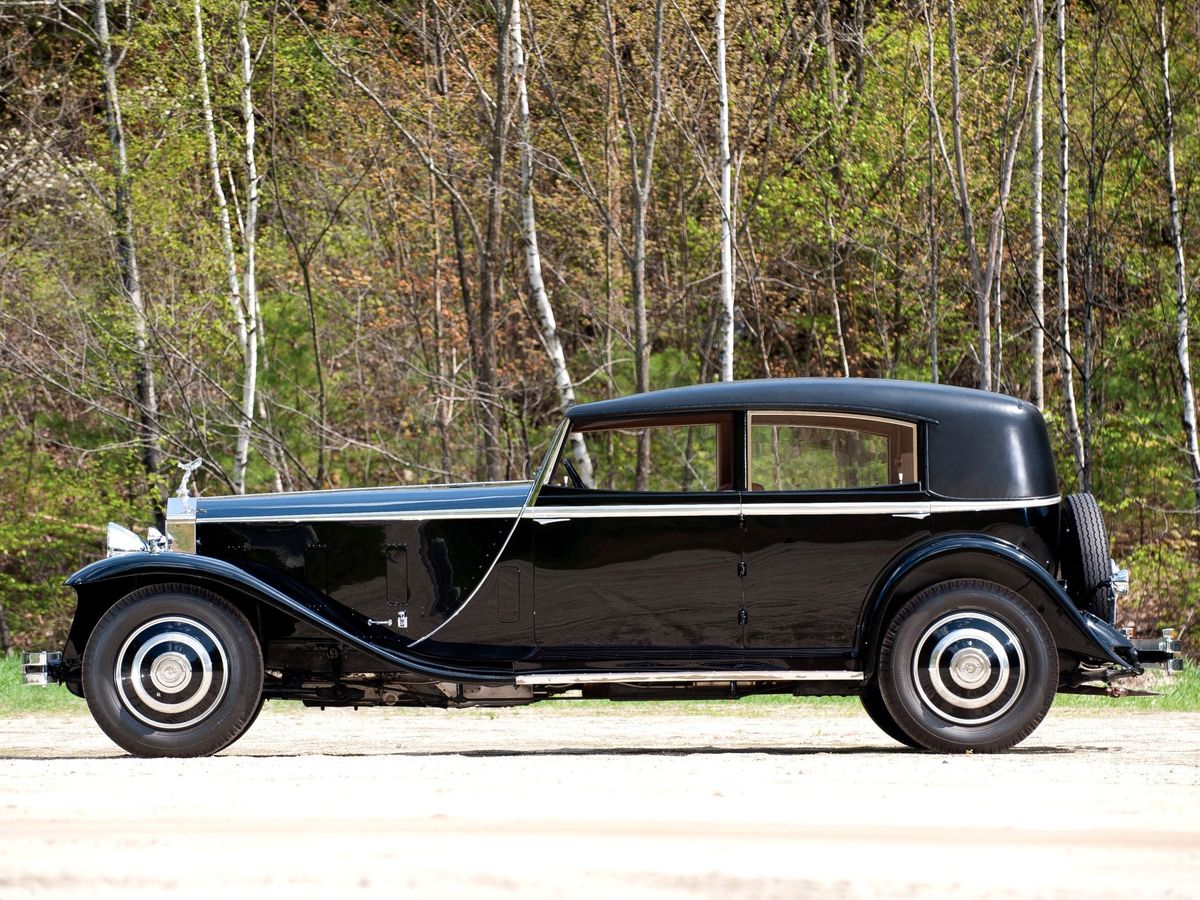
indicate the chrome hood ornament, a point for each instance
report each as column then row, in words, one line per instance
column 182, row 492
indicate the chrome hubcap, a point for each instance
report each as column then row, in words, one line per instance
column 969, row 668
column 172, row 672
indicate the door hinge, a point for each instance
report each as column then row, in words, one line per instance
column 741, row 568
column 743, row 617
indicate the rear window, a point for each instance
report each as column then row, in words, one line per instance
column 828, row 451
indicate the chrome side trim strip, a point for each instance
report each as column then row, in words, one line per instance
column 635, row 510
column 982, row 505
column 866, row 508
column 551, row 678
column 407, row 515
column 915, row 509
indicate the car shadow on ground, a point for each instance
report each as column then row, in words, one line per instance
column 866, row 750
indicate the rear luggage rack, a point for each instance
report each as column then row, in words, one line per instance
column 41, row 667
column 1161, row 651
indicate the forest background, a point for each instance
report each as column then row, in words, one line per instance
column 354, row 243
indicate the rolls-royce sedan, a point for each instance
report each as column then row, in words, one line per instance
column 903, row 542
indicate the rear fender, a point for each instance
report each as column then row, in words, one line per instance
column 102, row 583
column 977, row 556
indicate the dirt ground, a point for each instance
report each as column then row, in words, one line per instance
column 741, row 801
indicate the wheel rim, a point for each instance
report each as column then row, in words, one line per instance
column 171, row 672
column 969, row 668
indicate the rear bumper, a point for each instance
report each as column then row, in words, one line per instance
column 1160, row 651
column 41, row 667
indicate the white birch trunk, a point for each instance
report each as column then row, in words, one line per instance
column 1038, row 340
column 127, row 260
column 727, row 255
column 1070, row 411
column 251, row 316
column 533, row 257
column 214, row 170
column 1182, row 354
column 982, row 291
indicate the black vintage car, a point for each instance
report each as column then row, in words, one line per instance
column 903, row 542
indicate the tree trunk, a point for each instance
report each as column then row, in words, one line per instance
column 242, row 329
column 533, row 257
column 932, row 212
column 489, row 261
column 1070, row 412
column 982, row 291
column 1038, row 262
column 727, row 255
column 252, row 317
column 127, row 260
column 983, row 277
column 641, row 164
column 1181, row 298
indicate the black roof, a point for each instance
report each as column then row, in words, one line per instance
column 981, row 444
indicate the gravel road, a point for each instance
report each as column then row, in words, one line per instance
column 586, row 801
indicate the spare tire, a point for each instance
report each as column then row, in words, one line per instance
column 1086, row 565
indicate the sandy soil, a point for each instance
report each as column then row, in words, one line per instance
column 781, row 801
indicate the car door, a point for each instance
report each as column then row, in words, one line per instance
column 629, row 570
column 833, row 499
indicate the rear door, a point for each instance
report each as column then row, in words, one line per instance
column 833, row 499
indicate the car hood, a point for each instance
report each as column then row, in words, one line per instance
column 482, row 500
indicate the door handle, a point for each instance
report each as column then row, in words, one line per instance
column 916, row 515
column 551, row 520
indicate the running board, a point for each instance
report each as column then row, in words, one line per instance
column 549, row 678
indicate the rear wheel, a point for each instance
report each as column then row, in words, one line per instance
column 967, row 665
column 173, row 670
column 1086, row 565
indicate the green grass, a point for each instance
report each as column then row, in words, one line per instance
column 1179, row 693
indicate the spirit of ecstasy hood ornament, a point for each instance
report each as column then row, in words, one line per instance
column 182, row 493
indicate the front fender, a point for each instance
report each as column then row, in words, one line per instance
column 959, row 556
column 144, row 567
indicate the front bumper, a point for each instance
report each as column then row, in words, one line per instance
column 41, row 667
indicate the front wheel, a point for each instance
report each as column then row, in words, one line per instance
column 173, row 670
column 967, row 665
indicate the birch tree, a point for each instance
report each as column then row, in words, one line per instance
column 1070, row 410
column 242, row 289
column 127, row 258
column 1038, row 254
column 727, row 255
column 1182, row 354
column 533, row 257
column 490, row 263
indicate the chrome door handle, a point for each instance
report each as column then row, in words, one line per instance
column 551, row 520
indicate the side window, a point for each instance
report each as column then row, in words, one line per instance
column 684, row 457
column 826, row 451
